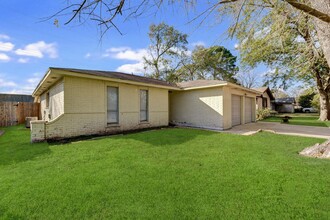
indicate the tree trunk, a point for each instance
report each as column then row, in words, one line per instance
column 324, row 92
column 323, row 28
column 324, row 106
column 323, row 33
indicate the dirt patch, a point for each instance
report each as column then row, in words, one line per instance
column 1, row 132
column 318, row 150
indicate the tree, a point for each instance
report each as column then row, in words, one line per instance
column 219, row 63
column 316, row 102
column 286, row 40
column 215, row 62
column 105, row 12
column 248, row 79
column 279, row 93
column 165, row 51
column 305, row 99
column 286, row 20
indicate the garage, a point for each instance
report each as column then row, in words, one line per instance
column 248, row 109
column 236, row 110
column 212, row 104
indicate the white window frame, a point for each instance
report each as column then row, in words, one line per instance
column 111, row 111
column 147, row 105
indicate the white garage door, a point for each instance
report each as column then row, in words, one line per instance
column 235, row 110
column 248, row 110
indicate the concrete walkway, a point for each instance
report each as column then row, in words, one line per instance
column 299, row 130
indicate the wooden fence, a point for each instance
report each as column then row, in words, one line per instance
column 13, row 113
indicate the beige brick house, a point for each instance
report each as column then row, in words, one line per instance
column 78, row 102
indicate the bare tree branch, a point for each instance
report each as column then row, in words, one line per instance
column 309, row 10
column 76, row 12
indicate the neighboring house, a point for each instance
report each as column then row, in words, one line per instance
column 285, row 105
column 16, row 98
column 78, row 102
column 266, row 99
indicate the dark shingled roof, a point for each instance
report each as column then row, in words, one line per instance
column 16, row 98
column 288, row 100
column 118, row 75
column 200, row 83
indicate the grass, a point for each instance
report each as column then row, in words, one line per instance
column 307, row 119
column 163, row 174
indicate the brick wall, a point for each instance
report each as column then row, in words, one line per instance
column 85, row 109
column 56, row 102
column 37, row 131
column 200, row 108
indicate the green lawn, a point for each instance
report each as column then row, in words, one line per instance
column 163, row 174
column 301, row 119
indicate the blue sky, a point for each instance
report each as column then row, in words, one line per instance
column 28, row 45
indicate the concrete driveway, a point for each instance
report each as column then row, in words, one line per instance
column 299, row 130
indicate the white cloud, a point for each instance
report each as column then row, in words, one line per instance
column 199, row 43
column 4, row 37
column 236, row 46
column 25, row 87
column 6, row 46
column 132, row 68
column 21, row 90
column 88, row 55
column 129, row 54
column 117, row 49
column 4, row 57
column 33, row 81
column 5, row 83
column 39, row 50
column 23, row 60
column 125, row 53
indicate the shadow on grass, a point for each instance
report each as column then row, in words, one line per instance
column 154, row 136
column 167, row 136
column 299, row 120
column 15, row 146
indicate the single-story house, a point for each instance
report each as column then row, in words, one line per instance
column 285, row 105
column 77, row 102
column 266, row 99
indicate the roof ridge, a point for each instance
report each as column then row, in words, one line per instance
column 106, row 71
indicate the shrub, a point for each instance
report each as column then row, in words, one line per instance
column 306, row 99
column 263, row 113
column 316, row 102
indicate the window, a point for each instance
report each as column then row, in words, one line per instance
column 143, row 105
column 47, row 100
column 264, row 102
column 112, row 96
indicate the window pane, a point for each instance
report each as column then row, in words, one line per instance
column 112, row 117
column 112, row 104
column 113, row 98
column 143, row 105
column 143, row 100
column 143, row 115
